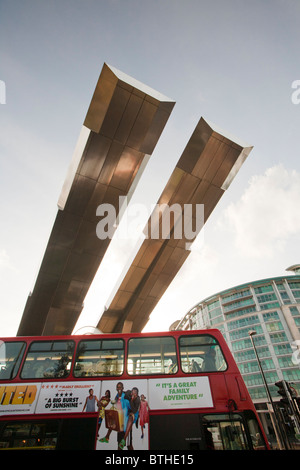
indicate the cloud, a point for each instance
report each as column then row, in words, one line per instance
column 5, row 262
column 267, row 214
column 256, row 226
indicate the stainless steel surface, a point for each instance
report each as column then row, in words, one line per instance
column 203, row 173
column 122, row 126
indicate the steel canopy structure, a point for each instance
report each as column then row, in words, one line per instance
column 203, row 173
column 123, row 124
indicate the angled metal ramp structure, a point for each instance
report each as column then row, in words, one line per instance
column 123, row 124
column 203, row 173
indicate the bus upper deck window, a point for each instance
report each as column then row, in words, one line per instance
column 155, row 355
column 11, row 353
column 99, row 357
column 48, row 359
column 201, row 353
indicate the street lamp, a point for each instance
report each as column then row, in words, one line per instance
column 276, row 426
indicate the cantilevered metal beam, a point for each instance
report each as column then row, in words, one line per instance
column 203, row 173
column 123, row 124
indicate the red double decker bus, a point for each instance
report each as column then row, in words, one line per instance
column 179, row 390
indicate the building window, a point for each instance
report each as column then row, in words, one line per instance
column 248, row 367
column 241, row 312
column 246, row 355
column 213, row 305
column 215, row 313
column 285, row 361
column 267, row 364
column 278, row 337
column 280, row 287
column 243, row 322
column 291, row 374
column 236, row 295
column 254, row 379
column 281, row 349
column 285, row 298
column 294, row 311
column 243, row 344
column 258, row 393
column 296, row 294
column 274, row 326
column 266, row 298
column 271, row 377
column 269, row 305
column 263, row 352
column 297, row 321
column 215, row 321
column 238, row 305
column 244, row 333
column 271, row 316
column 263, row 289
column 294, row 285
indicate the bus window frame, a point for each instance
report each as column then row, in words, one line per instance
column 46, row 341
column 214, row 344
column 173, row 367
column 232, row 419
column 100, row 374
column 40, row 438
column 245, row 417
column 18, row 362
column 250, row 417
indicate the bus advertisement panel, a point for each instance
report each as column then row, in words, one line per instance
column 171, row 390
column 123, row 406
column 18, row 399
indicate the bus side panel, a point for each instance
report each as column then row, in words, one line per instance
column 176, row 431
column 77, row 434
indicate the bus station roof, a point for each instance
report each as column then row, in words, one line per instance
column 123, row 124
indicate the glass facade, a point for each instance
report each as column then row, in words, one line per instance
column 270, row 307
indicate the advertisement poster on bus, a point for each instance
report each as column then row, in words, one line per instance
column 178, row 393
column 123, row 416
column 18, row 398
column 125, row 406
column 68, row 397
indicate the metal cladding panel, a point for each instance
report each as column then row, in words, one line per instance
column 203, row 173
column 123, row 124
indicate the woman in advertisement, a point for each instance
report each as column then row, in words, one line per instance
column 102, row 404
column 144, row 414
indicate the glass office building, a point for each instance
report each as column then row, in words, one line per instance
column 271, row 308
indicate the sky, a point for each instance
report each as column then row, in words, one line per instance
column 234, row 62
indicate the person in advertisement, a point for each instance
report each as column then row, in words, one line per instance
column 132, row 414
column 123, row 418
column 102, row 404
column 144, row 414
column 90, row 402
column 121, row 407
